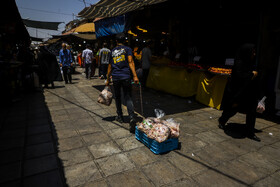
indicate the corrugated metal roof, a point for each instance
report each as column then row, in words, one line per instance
column 111, row 8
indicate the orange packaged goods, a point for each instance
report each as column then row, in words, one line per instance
column 220, row 70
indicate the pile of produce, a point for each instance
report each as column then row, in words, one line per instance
column 159, row 130
column 220, row 70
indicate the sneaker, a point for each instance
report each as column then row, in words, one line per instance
column 119, row 119
column 132, row 124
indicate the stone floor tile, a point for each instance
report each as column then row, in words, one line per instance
column 39, row 165
column 129, row 143
column 187, row 163
column 96, row 138
column 132, row 178
column 115, row 164
column 162, row 172
column 38, row 129
column 74, row 156
column 214, row 155
column 10, row 172
column 183, row 183
column 260, row 162
column 142, row 156
column 217, row 178
column 80, row 174
column 191, row 143
column 88, row 129
column 65, row 133
column 70, row 143
column 48, row 179
column 242, row 172
column 39, row 138
column 101, row 183
column 10, row 156
column 39, row 150
column 210, row 137
column 271, row 180
column 119, row 133
column 104, row 149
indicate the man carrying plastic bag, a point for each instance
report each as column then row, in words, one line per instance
column 121, row 65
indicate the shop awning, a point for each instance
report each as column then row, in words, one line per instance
column 86, row 36
column 87, row 27
column 111, row 8
column 41, row 24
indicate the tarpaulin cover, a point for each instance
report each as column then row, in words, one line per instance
column 177, row 81
column 41, row 24
column 211, row 90
column 111, row 26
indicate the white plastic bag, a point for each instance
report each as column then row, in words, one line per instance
column 106, row 96
column 159, row 113
column 261, row 105
column 173, row 126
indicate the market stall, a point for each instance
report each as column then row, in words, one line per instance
column 206, row 84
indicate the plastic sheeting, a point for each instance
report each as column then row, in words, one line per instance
column 177, row 81
column 111, row 26
column 210, row 90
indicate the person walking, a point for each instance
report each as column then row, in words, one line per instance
column 87, row 58
column 146, row 62
column 121, row 66
column 241, row 92
column 65, row 60
column 104, row 56
column 48, row 67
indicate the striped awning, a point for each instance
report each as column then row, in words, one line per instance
column 111, row 8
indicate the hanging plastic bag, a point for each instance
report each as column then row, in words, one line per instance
column 261, row 105
column 106, row 96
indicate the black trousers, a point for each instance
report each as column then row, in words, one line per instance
column 103, row 70
column 67, row 74
column 88, row 70
column 125, row 86
column 230, row 111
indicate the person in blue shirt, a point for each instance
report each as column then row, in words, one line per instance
column 121, row 66
column 65, row 60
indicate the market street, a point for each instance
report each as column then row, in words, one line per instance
column 65, row 136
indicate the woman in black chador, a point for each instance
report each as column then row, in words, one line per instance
column 241, row 93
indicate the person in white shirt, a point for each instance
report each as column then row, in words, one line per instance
column 104, row 57
column 87, row 58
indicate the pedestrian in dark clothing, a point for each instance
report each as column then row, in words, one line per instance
column 121, row 65
column 65, row 59
column 146, row 62
column 241, row 92
column 48, row 67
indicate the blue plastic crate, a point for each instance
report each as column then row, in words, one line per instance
column 153, row 145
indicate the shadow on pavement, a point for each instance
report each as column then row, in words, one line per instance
column 29, row 145
column 152, row 99
column 236, row 130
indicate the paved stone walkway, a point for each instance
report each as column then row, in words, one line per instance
column 63, row 137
